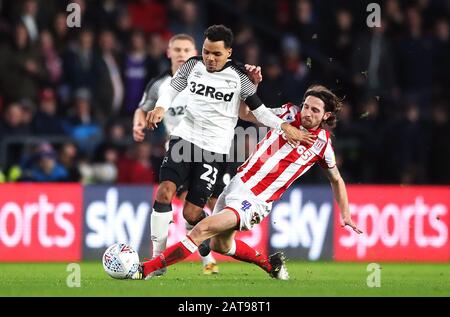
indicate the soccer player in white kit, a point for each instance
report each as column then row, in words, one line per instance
column 272, row 167
column 181, row 47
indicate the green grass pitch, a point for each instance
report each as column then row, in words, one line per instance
column 235, row 279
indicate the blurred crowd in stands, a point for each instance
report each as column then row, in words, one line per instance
column 67, row 94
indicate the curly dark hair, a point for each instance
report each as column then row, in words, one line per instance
column 219, row 32
column 332, row 103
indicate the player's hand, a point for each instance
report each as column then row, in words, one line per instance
column 347, row 221
column 254, row 72
column 138, row 131
column 295, row 136
column 154, row 117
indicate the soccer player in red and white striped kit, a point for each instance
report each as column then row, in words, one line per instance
column 263, row 178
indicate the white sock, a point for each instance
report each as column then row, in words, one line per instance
column 159, row 230
column 208, row 259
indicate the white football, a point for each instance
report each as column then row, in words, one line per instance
column 121, row 261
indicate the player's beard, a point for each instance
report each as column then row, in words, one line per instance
column 307, row 123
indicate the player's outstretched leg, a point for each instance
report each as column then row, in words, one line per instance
column 274, row 264
column 171, row 255
column 192, row 217
column 205, row 229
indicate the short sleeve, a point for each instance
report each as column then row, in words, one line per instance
column 329, row 159
column 179, row 80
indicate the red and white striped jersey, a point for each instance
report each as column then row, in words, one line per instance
column 274, row 165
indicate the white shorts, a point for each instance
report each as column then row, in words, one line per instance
column 249, row 209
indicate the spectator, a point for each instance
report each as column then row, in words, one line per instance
column 13, row 125
column 80, row 63
column 156, row 48
column 122, row 26
column 373, row 65
column 439, row 142
column 296, row 74
column 147, row 15
column 103, row 167
column 341, row 41
column 271, row 88
column 46, row 120
column 29, row 19
column 137, row 169
column 441, row 60
column 371, row 143
column 46, row 168
column 190, row 22
column 415, row 62
column 412, row 161
column 14, row 122
column 106, row 13
column 139, row 68
column 349, row 149
column 68, row 157
column 305, row 22
column 109, row 88
column 395, row 18
column 52, row 61
column 82, row 125
column 24, row 66
column 60, row 32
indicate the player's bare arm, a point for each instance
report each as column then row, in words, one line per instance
column 294, row 136
column 139, row 125
column 340, row 194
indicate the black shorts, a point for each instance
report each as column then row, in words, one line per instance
column 186, row 163
column 227, row 172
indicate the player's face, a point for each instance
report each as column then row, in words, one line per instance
column 180, row 51
column 215, row 55
column 313, row 112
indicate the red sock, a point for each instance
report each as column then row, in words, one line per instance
column 171, row 255
column 247, row 254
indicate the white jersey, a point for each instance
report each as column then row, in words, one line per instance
column 213, row 103
column 274, row 165
column 152, row 92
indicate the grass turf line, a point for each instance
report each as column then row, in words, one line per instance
column 235, row 279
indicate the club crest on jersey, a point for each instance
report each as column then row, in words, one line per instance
column 318, row 145
column 231, row 83
column 256, row 218
column 245, row 205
